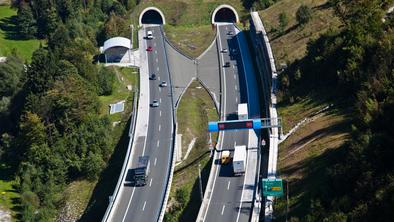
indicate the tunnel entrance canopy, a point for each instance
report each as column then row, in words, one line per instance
column 225, row 13
column 152, row 15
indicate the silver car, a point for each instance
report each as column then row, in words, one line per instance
column 163, row 84
column 155, row 103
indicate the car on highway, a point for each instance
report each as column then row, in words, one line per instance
column 230, row 33
column 224, row 50
column 152, row 77
column 155, row 103
column 149, row 49
column 149, row 35
column 163, row 84
column 226, row 64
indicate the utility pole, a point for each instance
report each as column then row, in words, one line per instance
column 199, row 177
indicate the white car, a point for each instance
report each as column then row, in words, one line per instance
column 149, row 35
column 155, row 103
column 163, row 84
column 224, row 50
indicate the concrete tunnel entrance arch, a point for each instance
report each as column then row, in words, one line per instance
column 152, row 15
column 225, row 13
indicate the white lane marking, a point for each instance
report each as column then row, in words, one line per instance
column 224, row 206
column 235, row 87
column 150, row 183
column 160, row 112
column 143, row 208
column 228, row 185
column 158, row 143
column 235, row 143
column 159, row 76
column 235, row 76
column 160, row 100
column 157, row 69
column 154, row 164
column 159, row 127
column 236, row 99
column 159, row 89
column 128, row 205
column 155, row 51
column 157, row 60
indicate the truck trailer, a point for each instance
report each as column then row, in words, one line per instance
column 141, row 173
column 243, row 111
column 239, row 160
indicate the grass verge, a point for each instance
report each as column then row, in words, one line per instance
column 292, row 43
column 195, row 110
column 8, row 41
column 9, row 197
column 192, row 41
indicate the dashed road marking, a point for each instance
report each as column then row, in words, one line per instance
column 224, row 206
column 150, row 183
column 158, row 143
column 159, row 127
column 160, row 112
column 235, row 87
column 155, row 162
column 228, row 185
column 143, row 208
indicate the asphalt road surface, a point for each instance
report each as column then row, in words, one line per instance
column 225, row 203
column 144, row 203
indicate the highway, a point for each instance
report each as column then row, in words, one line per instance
column 225, row 203
column 144, row 203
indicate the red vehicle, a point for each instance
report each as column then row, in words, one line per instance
column 149, row 49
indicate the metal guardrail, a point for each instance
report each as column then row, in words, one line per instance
column 126, row 160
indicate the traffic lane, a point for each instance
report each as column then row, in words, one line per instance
column 141, row 207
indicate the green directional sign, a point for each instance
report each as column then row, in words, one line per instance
column 272, row 187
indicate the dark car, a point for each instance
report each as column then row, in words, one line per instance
column 149, row 49
column 152, row 77
column 226, row 64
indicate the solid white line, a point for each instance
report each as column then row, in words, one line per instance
column 128, row 205
column 155, row 162
column 228, row 185
column 143, row 208
column 224, row 206
column 150, row 183
column 158, row 143
column 159, row 127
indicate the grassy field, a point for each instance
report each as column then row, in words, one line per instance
column 292, row 44
column 194, row 112
column 9, row 197
column 124, row 77
column 8, row 42
column 192, row 40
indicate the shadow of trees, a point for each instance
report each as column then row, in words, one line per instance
column 9, row 26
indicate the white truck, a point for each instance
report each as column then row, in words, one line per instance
column 239, row 160
column 243, row 111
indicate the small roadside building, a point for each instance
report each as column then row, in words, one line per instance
column 116, row 50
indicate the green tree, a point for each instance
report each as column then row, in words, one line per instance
column 11, row 73
column 303, row 14
column 26, row 22
column 106, row 79
column 283, row 22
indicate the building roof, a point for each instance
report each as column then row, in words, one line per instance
column 116, row 42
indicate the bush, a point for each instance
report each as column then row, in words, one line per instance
column 303, row 14
column 106, row 79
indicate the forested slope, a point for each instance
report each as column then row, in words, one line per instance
column 356, row 65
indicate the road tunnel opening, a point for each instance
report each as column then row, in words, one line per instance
column 152, row 15
column 225, row 13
